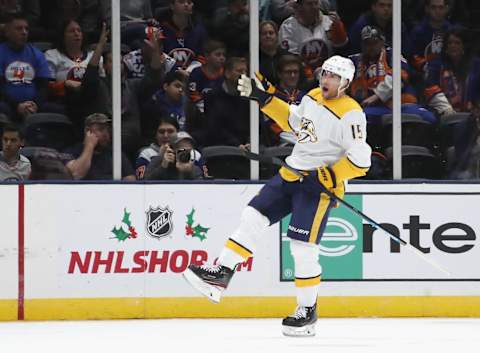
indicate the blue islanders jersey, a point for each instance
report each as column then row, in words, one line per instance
column 19, row 70
column 186, row 46
column 200, row 83
column 427, row 43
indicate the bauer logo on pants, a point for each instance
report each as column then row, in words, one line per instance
column 159, row 222
column 340, row 248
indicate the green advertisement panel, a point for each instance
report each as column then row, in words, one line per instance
column 341, row 247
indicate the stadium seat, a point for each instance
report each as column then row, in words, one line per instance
column 268, row 170
column 417, row 162
column 49, row 130
column 47, row 163
column 415, row 130
column 226, row 162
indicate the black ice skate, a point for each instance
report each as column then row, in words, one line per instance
column 211, row 281
column 301, row 322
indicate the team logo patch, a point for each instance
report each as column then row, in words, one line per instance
column 159, row 222
column 307, row 131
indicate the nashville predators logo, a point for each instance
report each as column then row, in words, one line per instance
column 307, row 132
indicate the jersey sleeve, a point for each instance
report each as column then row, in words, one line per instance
column 356, row 161
column 287, row 116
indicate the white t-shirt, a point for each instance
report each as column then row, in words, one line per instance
column 63, row 68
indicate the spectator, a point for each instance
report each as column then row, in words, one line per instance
column 184, row 37
column 93, row 159
column 282, row 9
column 169, row 101
column 13, row 166
column 227, row 114
column 231, row 26
column 450, row 77
column 135, row 18
column 29, row 8
column 210, row 75
column 427, row 37
column 380, row 15
column 312, row 35
column 134, row 91
column 68, row 63
column 166, row 134
column 270, row 51
column 135, row 60
column 87, row 13
column 289, row 69
column 372, row 85
column 24, row 72
column 180, row 160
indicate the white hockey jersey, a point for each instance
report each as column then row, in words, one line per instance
column 63, row 68
column 329, row 133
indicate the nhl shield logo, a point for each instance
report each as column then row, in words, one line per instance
column 159, row 222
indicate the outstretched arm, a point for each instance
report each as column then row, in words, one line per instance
column 273, row 107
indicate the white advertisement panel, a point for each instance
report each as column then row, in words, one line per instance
column 9, row 242
column 136, row 240
column 444, row 227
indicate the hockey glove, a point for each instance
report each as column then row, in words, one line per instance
column 252, row 88
column 323, row 178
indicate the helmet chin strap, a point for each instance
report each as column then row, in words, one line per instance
column 342, row 87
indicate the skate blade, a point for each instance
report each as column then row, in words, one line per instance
column 211, row 292
column 305, row 331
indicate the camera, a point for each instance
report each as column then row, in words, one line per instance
column 183, row 155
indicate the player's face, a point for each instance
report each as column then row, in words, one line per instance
column 17, row 32
column 165, row 134
column 310, row 10
column 454, row 47
column 182, row 7
column 234, row 74
column 290, row 75
column 73, row 34
column 268, row 36
column 174, row 90
column 217, row 58
column 437, row 10
column 102, row 131
column 382, row 9
column 11, row 143
column 372, row 48
column 330, row 83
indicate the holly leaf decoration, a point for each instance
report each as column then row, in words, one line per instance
column 190, row 217
column 126, row 217
column 120, row 234
column 200, row 232
column 188, row 230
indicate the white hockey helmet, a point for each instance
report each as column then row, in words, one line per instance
column 340, row 66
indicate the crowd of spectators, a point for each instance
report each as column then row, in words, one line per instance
column 180, row 63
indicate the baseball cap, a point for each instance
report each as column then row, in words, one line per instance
column 182, row 135
column 97, row 118
column 371, row 32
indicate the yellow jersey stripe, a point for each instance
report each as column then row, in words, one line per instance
column 278, row 111
column 345, row 169
column 239, row 249
column 319, row 216
column 307, row 282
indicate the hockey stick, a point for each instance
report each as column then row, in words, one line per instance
column 280, row 162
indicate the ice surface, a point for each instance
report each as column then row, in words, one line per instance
column 409, row 335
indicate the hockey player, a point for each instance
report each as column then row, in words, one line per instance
column 330, row 149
